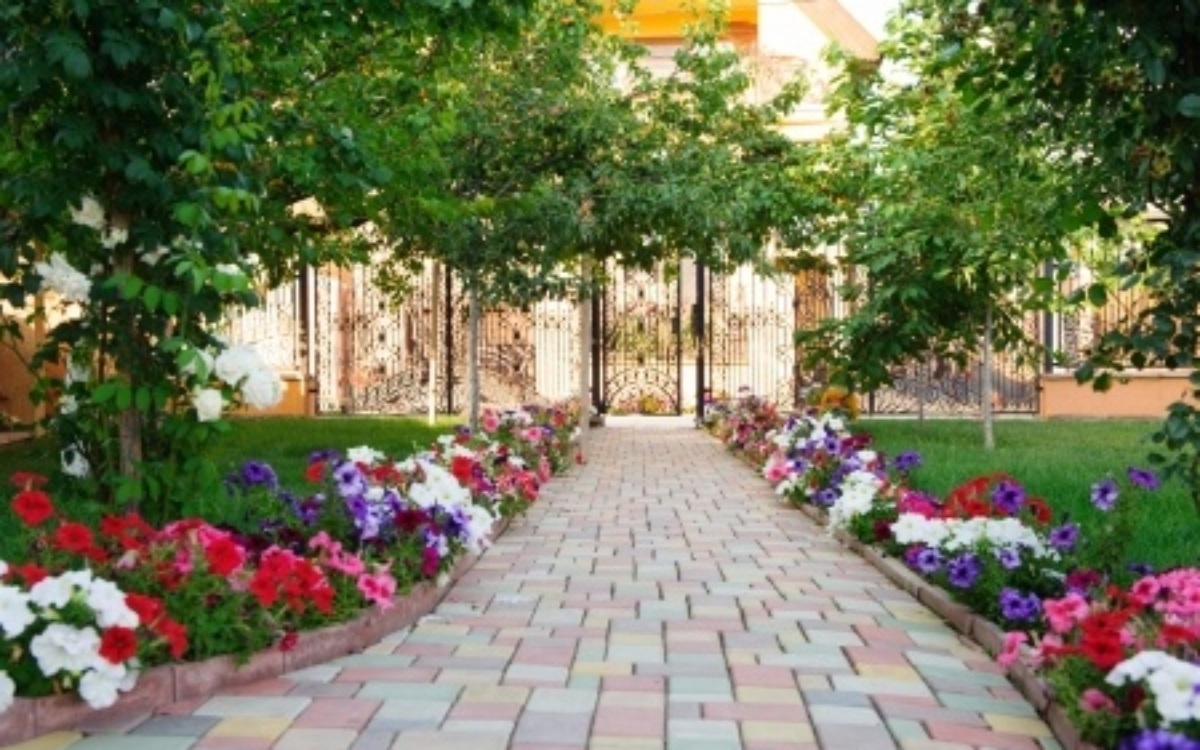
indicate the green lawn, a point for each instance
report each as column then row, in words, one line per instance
column 1056, row 460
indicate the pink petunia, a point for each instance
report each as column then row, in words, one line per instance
column 1012, row 648
column 379, row 588
column 1063, row 614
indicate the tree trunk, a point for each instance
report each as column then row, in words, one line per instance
column 585, row 359
column 473, row 354
column 129, row 422
column 985, row 384
column 433, row 341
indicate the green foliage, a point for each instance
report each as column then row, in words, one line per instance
column 1115, row 86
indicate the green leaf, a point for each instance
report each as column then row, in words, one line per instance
column 170, row 303
column 131, row 287
column 104, row 392
column 124, row 396
column 1097, row 294
column 152, row 297
column 142, row 399
column 1189, row 106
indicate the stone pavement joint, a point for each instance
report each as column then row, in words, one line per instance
column 658, row 596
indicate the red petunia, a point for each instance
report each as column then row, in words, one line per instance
column 30, row 573
column 33, row 507
column 1103, row 649
column 1040, row 510
column 224, row 556
column 288, row 641
column 315, row 472
column 462, row 467
column 118, row 644
column 147, row 608
column 27, row 480
column 74, row 537
column 175, row 635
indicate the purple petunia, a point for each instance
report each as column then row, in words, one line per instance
column 1009, row 558
column 907, row 461
column 350, row 480
column 825, row 497
column 1158, row 739
column 963, row 570
column 1008, row 497
column 259, row 474
column 1064, row 538
column 927, row 560
column 1143, row 478
column 1104, row 494
column 1018, row 607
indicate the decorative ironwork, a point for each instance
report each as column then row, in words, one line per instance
column 273, row 328
column 641, row 341
column 751, row 335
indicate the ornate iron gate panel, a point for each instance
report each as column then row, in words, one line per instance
column 373, row 355
column 750, row 334
column 640, row 342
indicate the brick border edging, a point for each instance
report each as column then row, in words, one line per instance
column 29, row 718
column 970, row 625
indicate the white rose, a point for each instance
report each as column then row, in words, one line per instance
column 200, row 365
column 60, row 276
column 114, row 236
column 237, row 362
column 152, row 257
column 228, row 269
column 89, row 214
column 262, row 389
column 208, row 403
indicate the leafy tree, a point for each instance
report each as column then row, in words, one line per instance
column 946, row 211
column 140, row 142
column 1117, row 82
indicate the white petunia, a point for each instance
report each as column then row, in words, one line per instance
column 1136, row 667
column 63, row 648
column 365, row 454
column 108, row 602
column 8, row 690
column 15, row 614
column 52, row 592
column 99, row 687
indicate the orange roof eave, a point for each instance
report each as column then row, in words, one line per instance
column 665, row 19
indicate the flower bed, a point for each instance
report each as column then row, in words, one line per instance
column 1108, row 656
column 131, row 616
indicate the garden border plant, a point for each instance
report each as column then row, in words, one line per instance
column 1113, row 649
column 170, row 613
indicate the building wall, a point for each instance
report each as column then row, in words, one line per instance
column 1144, row 395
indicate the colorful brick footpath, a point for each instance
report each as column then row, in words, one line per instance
column 659, row 596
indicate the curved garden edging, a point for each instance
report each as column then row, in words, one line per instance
column 165, row 684
column 969, row 624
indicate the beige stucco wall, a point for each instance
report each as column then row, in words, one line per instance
column 1141, row 395
column 16, row 381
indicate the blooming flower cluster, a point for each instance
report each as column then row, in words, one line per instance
column 70, row 631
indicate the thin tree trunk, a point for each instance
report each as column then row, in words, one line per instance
column 585, row 357
column 985, row 384
column 129, row 422
column 434, row 339
column 473, row 354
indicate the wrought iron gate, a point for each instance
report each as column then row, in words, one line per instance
column 374, row 355
column 666, row 338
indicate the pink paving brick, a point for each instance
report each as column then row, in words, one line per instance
column 476, row 710
column 426, row 649
column 979, row 736
column 620, row 721
column 793, row 713
column 262, row 687
column 635, row 683
column 875, row 635
column 763, row 676
column 337, row 713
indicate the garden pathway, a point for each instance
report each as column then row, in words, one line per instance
column 659, row 595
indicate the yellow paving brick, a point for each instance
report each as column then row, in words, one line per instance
column 1017, row 725
column 889, row 671
column 776, row 731
column 494, row 694
column 813, row 682
column 756, row 694
column 52, row 741
column 257, row 727
column 741, row 658
column 636, row 639
column 469, row 676
column 484, row 650
column 601, row 668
